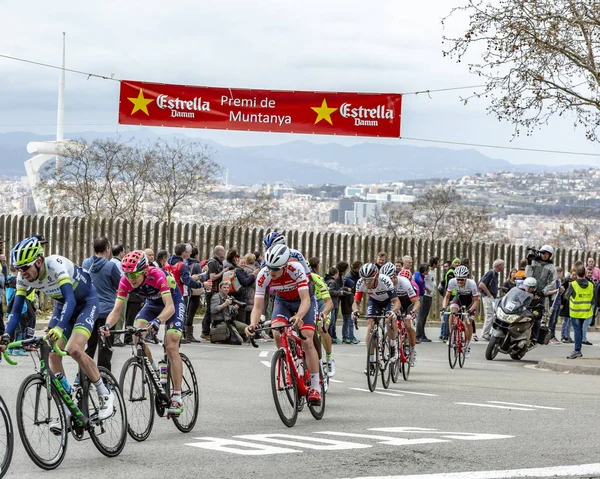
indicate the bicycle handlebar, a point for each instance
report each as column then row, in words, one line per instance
column 270, row 328
column 25, row 342
column 7, row 358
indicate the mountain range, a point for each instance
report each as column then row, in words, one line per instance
column 302, row 162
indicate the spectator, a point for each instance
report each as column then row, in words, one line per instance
column 426, row 299
column 215, row 270
column 565, row 331
column 540, row 267
column 150, row 255
column 407, row 263
column 399, row 266
column 346, row 305
column 251, row 269
column 556, row 295
column 488, row 285
column 161, row 258
column 510, row 282
column 581, row 297
column 231, row 259
column 334, row 283
column 106, row 276
column 259, row 259
column 381, row 258
column 419, row 279
column 245, row 277
column 118, row 251
column 194, row 296
column 117, row 254
column 223, row 309
column 596, row 271
column 520, row 275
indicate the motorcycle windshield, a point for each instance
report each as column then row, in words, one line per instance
column 515, row 304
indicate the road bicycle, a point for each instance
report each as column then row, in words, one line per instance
column 380, row 350
column 404, row 356
column 6, row 432
column 290, row 378
column 46, row 412
column 144, row 394
column 457, row 344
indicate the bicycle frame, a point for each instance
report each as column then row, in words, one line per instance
column 459, row 323
column 402, row 334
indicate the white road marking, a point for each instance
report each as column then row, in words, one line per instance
column 528, row 405
column 387, row 440
column 266, row 363
column 556, row 471
column 335, row 380
column 238, row 447
column 463, row 436
column 377, row 392
column 495, row 406
column 305, row 441
column 263, row 354
column 413, row 392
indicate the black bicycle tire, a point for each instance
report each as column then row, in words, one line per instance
column 406, row 365
column 372, row 380
column 116, row 390
column 146, row 433
column 46, row 465
column 280, row 356
column 395, row 373
column 386, row 371
column 177, row 419
column 462, row 355
column 10, row 439
column 451, row 348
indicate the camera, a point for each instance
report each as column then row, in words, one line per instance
column 533, row 253
column 241, row 304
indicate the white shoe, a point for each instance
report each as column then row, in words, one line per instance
column 394, row 356
column 413, row 357
column 468, row 353
column 106, row 408
column 331, row 368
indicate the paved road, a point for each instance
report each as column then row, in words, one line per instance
column 489, row 416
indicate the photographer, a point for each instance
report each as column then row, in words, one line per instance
column 540, row 267
column 223, row 307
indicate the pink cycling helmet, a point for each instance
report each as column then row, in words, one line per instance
column 405, row 273
column 134, row 262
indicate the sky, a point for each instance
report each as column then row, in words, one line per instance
column 335, row 45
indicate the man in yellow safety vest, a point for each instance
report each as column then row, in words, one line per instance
column 581, row 297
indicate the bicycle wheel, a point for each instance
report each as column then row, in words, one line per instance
column 372, row 366
column 190, row 396
column 318, row 411
column 285, row 393
column 37, row 410
column 452, row 347
column 6, row 438
column 463, row 348
column 138, row 393
column 109, row 435
column 406, row 364
column 385, row 366
column 396, row 366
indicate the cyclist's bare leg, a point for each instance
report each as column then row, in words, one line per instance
column 312, row 358
column 326, row 340
column 76, row 349
column 412, row 335
column 172, row 345
column 56, row 364
column 393, row 331
column 469, row 329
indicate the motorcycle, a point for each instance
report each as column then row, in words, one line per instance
column 511, row 328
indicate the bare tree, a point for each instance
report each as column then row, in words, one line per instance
column 468, row 224
column 539, row 58
column 179, row 171
column 431, row 211
column 248, row 210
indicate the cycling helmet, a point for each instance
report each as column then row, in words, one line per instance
column 405, row 273
column 277, row 256
column 530, row 282
column 388, row 269
column 134, row 262
column 26, row 252
column 273, row 238
column 547, row 249
column 368, row 271
column 461, row 272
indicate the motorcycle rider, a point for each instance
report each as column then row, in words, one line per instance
column 540, row 267
column 522, row 294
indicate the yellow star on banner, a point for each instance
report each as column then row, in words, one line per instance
column 323, row 112
column 140, row 103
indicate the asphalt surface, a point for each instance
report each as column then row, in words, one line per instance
column 516, row 417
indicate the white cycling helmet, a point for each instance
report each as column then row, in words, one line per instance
column 368, row 271
column 547, row 249
column 388, row 269
column 277, row 256
column 530, row 282
column 461, row 272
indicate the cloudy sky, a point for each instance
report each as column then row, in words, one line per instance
column 338, row 45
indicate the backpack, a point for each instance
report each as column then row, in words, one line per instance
column 235, row 285
column 175, row 270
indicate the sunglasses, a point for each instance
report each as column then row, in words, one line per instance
column 24, row 267
column 274, row 269
column 137, row 274
column 461, row 279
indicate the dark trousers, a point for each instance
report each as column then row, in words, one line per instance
column 423, row 313
column 133, row 308
column 206, row 319
column 104, row 354
column 192, row 308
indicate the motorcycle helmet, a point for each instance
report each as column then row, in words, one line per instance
column 547, row 249
column 530, row 282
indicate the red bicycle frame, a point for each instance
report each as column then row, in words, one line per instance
column 460, row 326
column 292, row 368
column 402, row 334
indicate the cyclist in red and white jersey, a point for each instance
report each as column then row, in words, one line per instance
column 383, row 299
column 409, row 301
column 293, row 304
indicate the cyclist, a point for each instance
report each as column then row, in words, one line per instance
column 293, row 305
column 164, row 304
column 383, row 299
column 325, row 305
column 462, row 291
column 277, row 238
column 75, row 310
column 409, row 301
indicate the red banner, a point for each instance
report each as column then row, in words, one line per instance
column 321, row 113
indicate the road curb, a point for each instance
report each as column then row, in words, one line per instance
column 572, row 366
